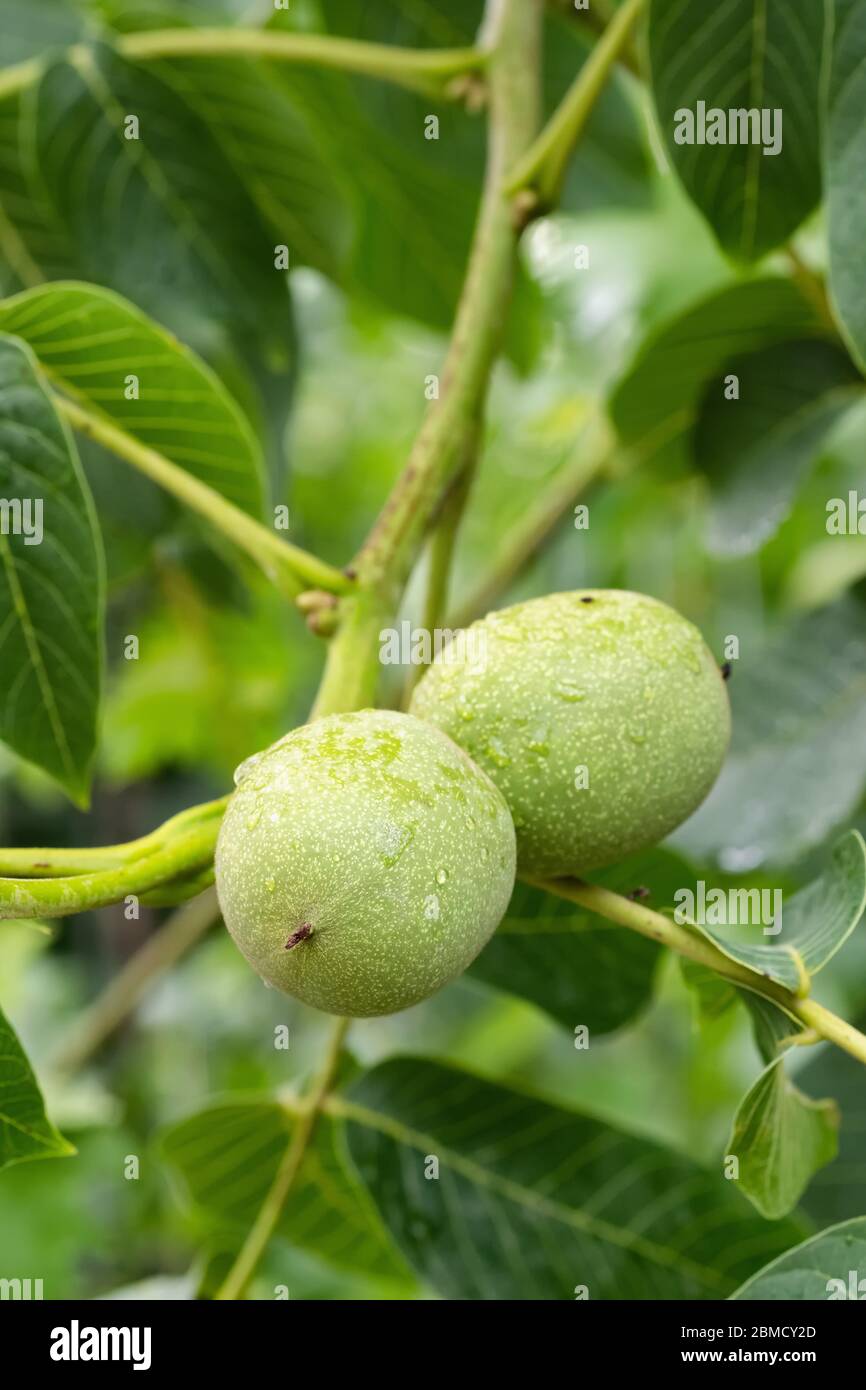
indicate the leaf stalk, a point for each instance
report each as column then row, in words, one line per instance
column 541, row 169
column 636, row 917
column 307, row 1115
column 290, row 568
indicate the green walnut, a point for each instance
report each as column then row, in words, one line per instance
column 363, row 862
column 600, row 714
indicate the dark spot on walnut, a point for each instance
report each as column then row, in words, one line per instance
column 301, row 934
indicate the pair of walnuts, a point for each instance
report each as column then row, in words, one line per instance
column 366, row 859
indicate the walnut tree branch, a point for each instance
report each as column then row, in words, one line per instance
column 512, row 33
column 637, row 917
column 537, row 176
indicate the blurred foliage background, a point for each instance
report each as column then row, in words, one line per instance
column 334, row 376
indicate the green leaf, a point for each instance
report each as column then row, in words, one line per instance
column 781, row 1138
column 828, row 1266
column 745, row 55
column 656, row 403
column 572, row 964
column 816, row 922
column 89, row 342
column 51, row 583
column 566, row 962
column 797, row 764
column 33, row 245
column 158, row 206
column 159, row 213
column 714, row 995
column 757, row 449
column 845, row 156
column 774, row 1027
column 532, row 1201
column 33, row 248
column 271, row 150
column 228, row 1156
column 25, row 1130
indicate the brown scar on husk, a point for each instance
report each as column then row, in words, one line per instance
column 301, row 934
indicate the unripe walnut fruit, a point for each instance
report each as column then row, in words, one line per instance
column 600, row 714
column 363, row 862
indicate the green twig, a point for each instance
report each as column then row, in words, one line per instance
column 179, row 890
column 287, row 566
column 593, row 21
column 690, row 944
column 306, row 1117
column 352, row 668
column 541, row 170
column 441, row 447
column 512, row 37
column 61, row 897
column 441, row 551
column 430, row 70
column 440, row 555
column 60, row 863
